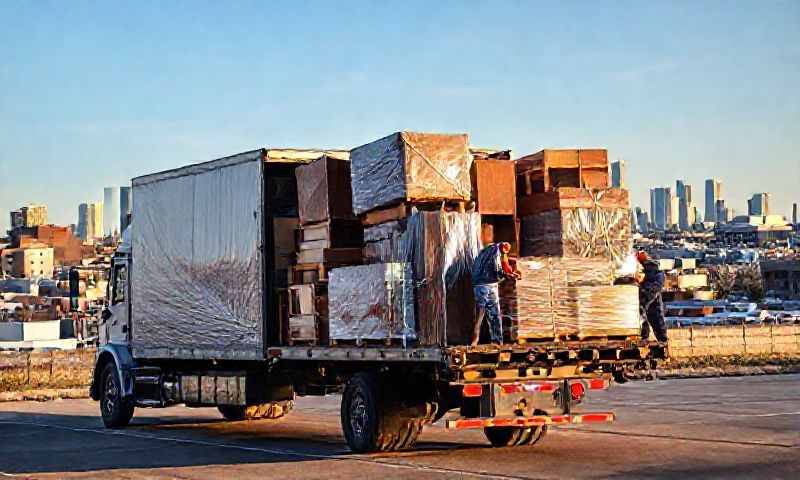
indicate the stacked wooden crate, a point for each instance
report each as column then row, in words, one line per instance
column 567, row 209
column 411, row 191
column 574, row 233
column 329, row 235
column 494, row 194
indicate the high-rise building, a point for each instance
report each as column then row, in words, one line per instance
column 686, row 217
column 83, row 221
column 721, row 212
column 125, row 205
column 111, row 211
column 794, row 213
column 674, row 210
column 642, row 220
column 17, row 219
column 661, row 204
column 713, row 193
column 34, row 215
column 618, row 174
column 758, row 204
column 96, row 230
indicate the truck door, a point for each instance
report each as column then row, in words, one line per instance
column 116, row 321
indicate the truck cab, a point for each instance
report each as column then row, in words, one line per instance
column 115, row 321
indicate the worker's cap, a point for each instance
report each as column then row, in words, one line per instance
column 642, row 256
column 505, row 247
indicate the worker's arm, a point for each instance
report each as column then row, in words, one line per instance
column 509, row 267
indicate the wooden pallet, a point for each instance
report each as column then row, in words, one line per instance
column 567, row 339
column 403, row 210
column 386, row 342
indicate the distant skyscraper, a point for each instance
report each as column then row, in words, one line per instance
column 661, row 203
column 758, row 204
column 674, row 210
column 125, row 205
column 618, row 174
column 34, row 215
column 713, row 193
column 83, row 221
column 111, row 211
column 721, row 212
column 642, row 220
column 686, row 215
column 95, row 230
column 794, row 213
column 17, row 219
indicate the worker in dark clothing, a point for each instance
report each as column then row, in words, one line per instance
column 651, row 282
column 491, row 266
column 74, row 287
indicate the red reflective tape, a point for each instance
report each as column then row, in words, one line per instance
column 546, row 387
column 473, row 390
column 471, row 423
column 559, row 419
column 504, row 422
column 597, row 384
column 597, row 417
column 511, row 387
column 536, row 421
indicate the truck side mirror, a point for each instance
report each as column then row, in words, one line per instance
column 106, row 314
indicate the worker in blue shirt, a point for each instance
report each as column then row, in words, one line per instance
column 491, row 266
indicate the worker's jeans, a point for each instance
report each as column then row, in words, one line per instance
column 655, row 318
column 486, row 299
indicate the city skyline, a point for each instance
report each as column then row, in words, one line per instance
column 78, row 102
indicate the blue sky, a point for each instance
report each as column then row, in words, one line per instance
column 93, row 94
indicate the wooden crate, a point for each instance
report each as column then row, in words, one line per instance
column 323, row 190
column 568, row 197
column 548, row 169
column 493, row 186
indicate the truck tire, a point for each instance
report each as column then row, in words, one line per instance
column 513, row 436
column 115, row 410
column 370, row 425
column 271, row 410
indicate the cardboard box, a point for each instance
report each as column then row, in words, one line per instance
column 494, row 186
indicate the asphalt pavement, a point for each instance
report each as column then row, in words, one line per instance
column 740, row 427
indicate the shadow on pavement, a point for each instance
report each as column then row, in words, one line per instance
column 42, row 443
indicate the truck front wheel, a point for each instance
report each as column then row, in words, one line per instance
column 116, row 410
column 513, row 436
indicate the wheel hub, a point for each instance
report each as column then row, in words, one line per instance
column 358, row 414
column 110, row 394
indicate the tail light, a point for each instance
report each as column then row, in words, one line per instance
column 473, row 390
column 577, row 390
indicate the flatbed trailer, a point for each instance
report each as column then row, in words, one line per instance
column 193, row 319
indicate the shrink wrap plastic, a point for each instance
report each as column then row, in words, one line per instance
column 440, row 247
column 559, row 297
column 371, row 302
column 197, row 268
column 579, row 232
column 410, row 166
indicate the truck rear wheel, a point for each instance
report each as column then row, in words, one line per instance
column 372, row 425
column 271, row 410
column 513, row 436
column 116, row 410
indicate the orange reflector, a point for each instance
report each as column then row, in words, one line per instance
column 473, row 390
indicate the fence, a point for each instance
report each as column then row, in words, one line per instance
column 734, row 340
column 54, row 369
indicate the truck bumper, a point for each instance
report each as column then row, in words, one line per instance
column 534, row 421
